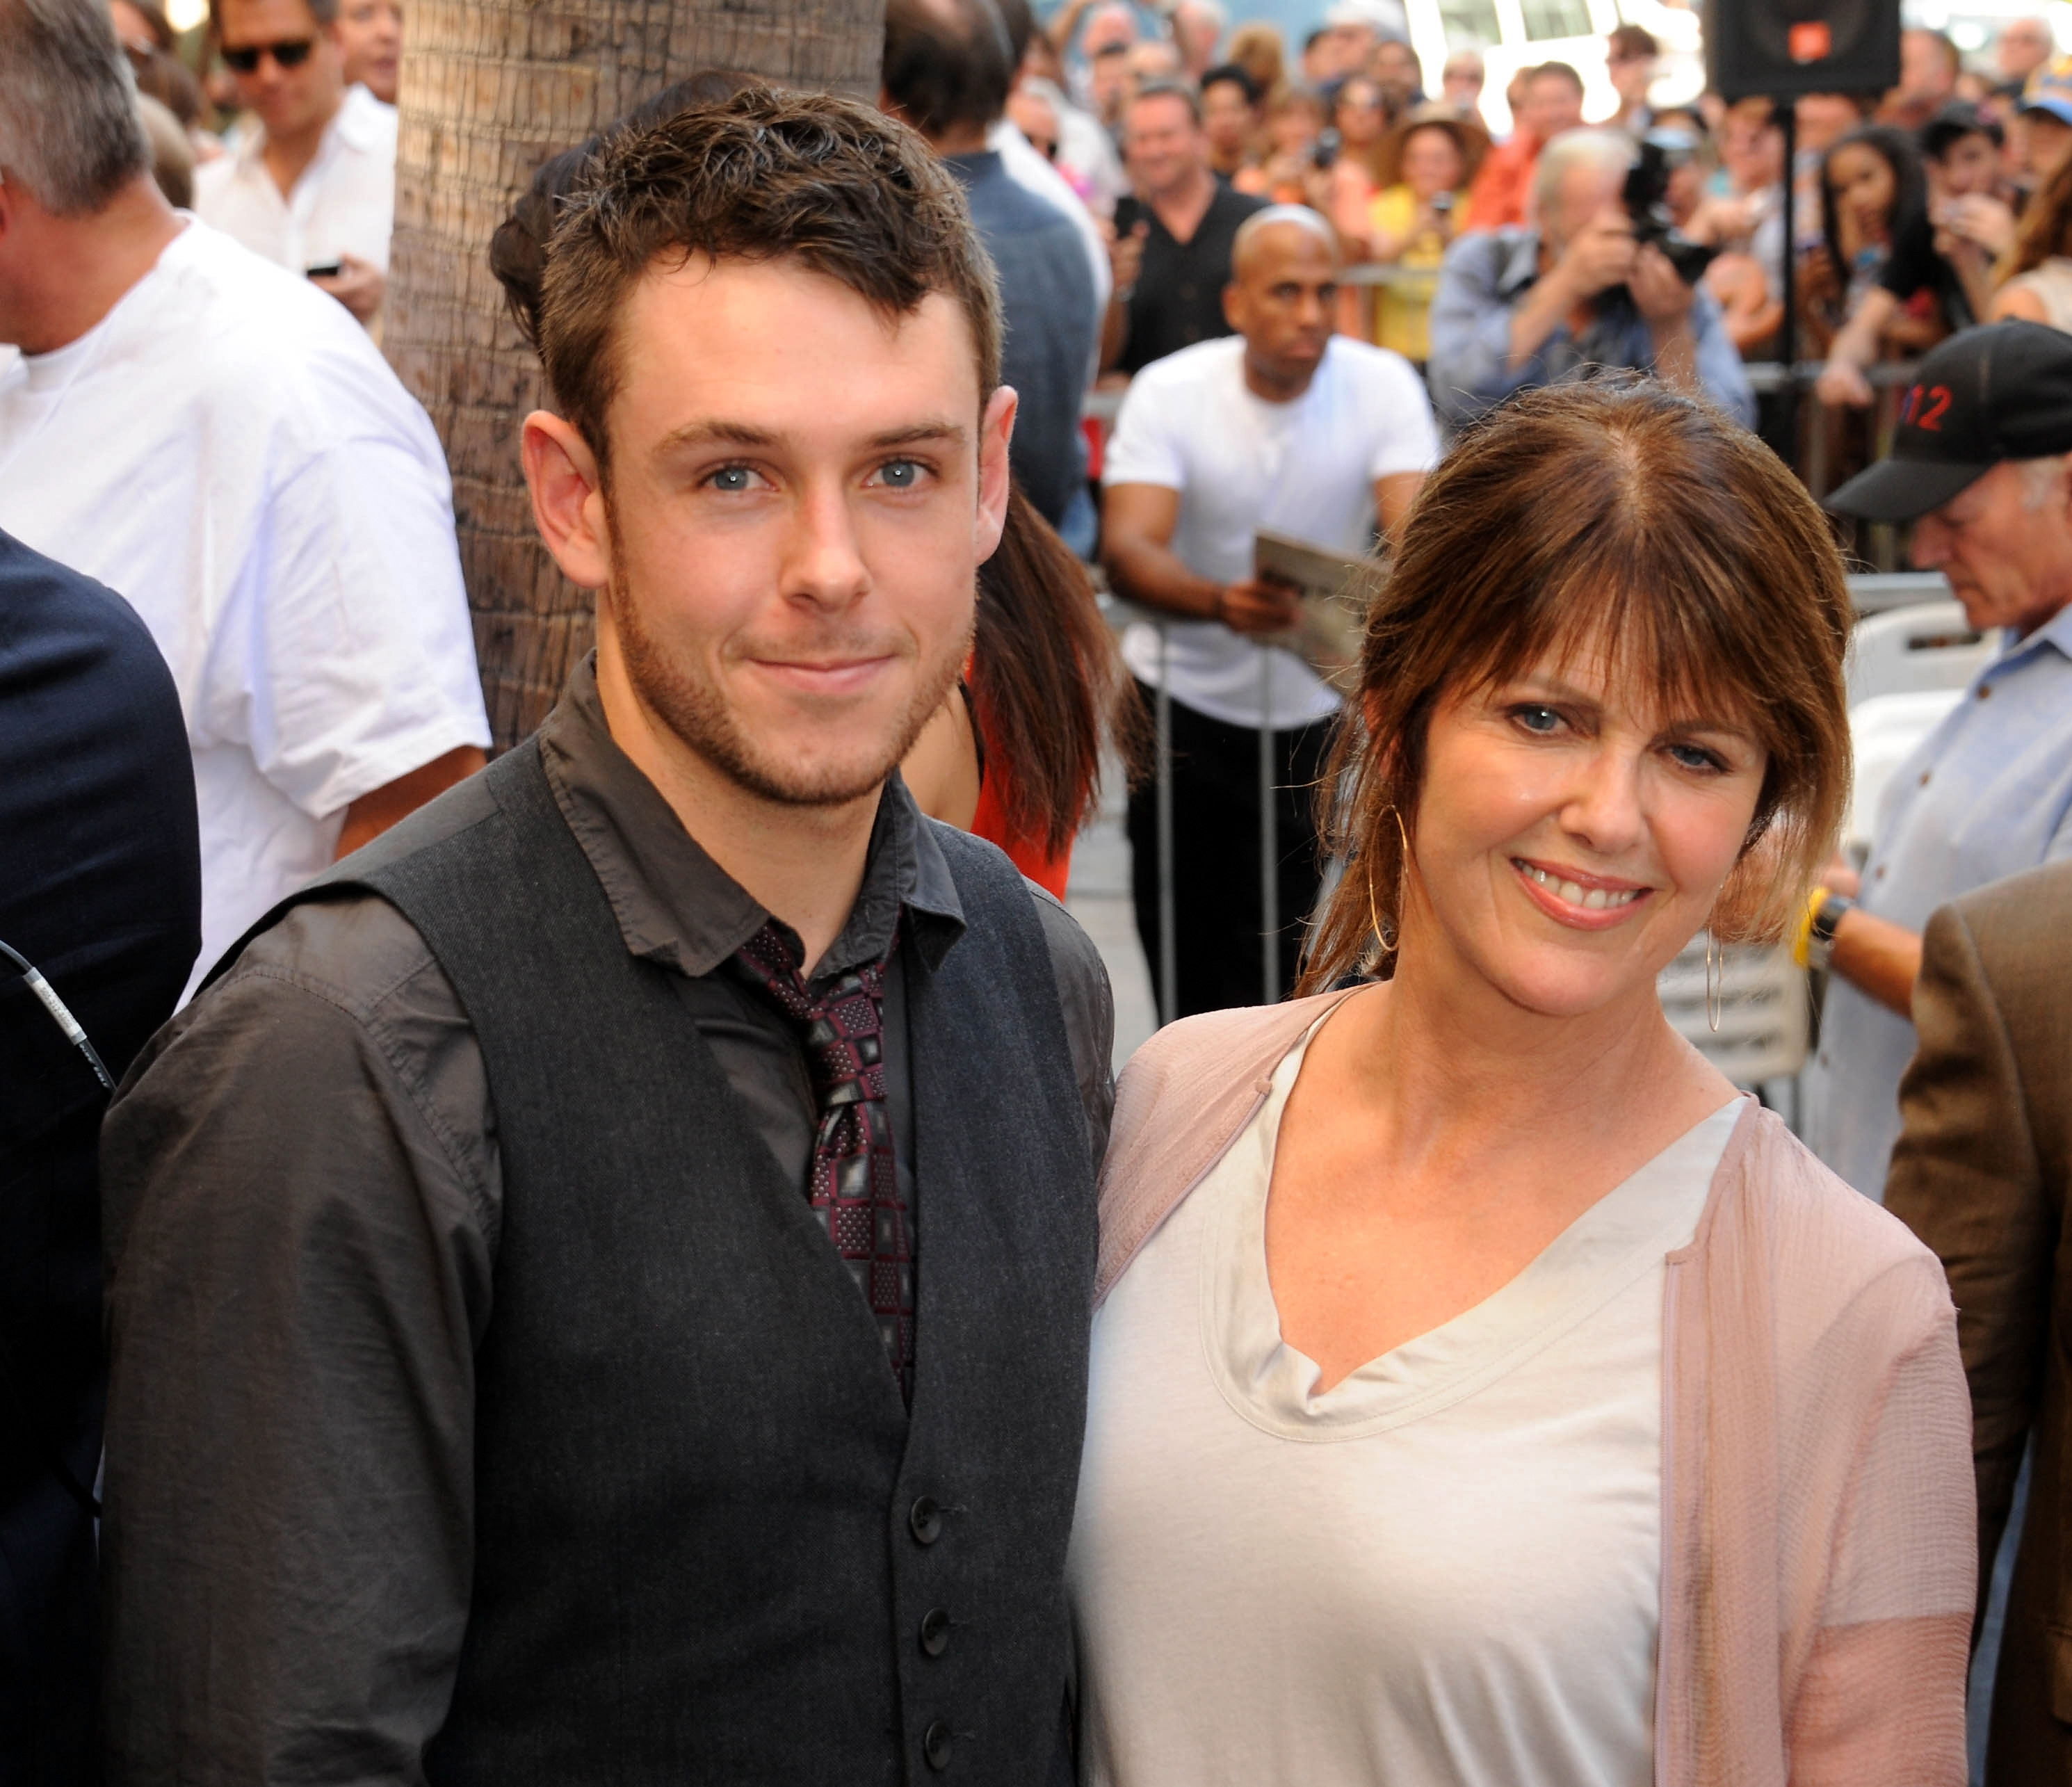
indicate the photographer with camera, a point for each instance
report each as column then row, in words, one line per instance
column 1601, row 281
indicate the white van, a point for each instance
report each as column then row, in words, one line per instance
column 1516, row 33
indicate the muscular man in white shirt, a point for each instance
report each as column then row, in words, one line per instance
column 225, row 448
column 1286, row 426
column 313, row 186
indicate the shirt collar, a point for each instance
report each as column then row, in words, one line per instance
column 974, row 165
column 1521, row 261
column 675, row 904
column 356, row 123
column 360, row 119
column 2056, row 631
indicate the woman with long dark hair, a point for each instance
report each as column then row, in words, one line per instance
column 1484, row 1392
column 1873, row 192
column 1014, row 755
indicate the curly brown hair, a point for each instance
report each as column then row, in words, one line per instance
column 1612, row 514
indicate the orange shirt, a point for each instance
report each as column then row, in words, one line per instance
column 1502, row 191
column 989, row 822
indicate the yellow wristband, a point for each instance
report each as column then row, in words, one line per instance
column 1802, row 933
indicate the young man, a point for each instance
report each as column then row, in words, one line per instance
column 224, row 448
column 312, row 185
column 1173, row 242
column 601, row 1289
column 1286, row 426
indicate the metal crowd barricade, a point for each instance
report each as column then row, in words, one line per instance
column 1165, row 971
column 1761, row 997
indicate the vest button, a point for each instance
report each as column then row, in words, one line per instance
column 934, row 1632
column 924, row 1520
column 935, row 1746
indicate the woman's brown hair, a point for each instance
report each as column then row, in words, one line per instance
column 1045, row 680
column 1611, row 515
column 2045, row 228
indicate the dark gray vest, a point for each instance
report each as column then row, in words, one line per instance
column 711, row 1547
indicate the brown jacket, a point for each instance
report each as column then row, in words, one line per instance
column 1980, row 1174
column 1817, row 1513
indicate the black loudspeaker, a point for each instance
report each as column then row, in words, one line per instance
column 1778, row 49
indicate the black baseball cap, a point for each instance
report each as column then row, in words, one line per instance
column 2001, row 391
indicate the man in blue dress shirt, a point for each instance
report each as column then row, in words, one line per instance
column 1523, row 306
column 1981, row 466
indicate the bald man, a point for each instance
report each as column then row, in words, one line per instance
column 1281, row 425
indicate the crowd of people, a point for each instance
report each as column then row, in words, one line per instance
column 466, row 1307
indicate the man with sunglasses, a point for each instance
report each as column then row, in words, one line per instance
column 311, row 183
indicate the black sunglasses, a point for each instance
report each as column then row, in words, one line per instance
column 291, row 54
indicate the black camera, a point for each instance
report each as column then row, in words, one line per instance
column 1647, row 204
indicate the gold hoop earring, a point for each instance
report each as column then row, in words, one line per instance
column 1713, row 993
column 1383, row 940
column 1386, row 939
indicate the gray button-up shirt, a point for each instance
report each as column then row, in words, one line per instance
column 1485, row 275
column 302, row 1189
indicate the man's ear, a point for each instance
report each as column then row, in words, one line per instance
column 568, row 499
column 996, row 428
column 1234, row 308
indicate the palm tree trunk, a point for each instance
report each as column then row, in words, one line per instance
column 490, row 89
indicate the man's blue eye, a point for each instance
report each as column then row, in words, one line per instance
column 902, row 474
column 731, row 477
column 1538, row 719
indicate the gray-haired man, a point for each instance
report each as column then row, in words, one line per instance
column 223, row 447
column 1528, row 306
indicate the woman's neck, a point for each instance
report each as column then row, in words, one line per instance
column 1455, row 1067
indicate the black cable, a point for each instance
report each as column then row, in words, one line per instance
column 63, row 1017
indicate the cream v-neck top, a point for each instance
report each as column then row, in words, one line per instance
column 1446, row 1569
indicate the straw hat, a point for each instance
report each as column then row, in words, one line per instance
column 1469, row 137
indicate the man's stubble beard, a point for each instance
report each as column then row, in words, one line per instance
column 698, row 716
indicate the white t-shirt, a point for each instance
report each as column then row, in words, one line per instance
column 1443, row 1571
column 229, row 451
column 1189, row 423
column 344, row 203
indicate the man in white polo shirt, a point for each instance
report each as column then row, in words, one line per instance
column 222, row 445
column 1285, row 426
column 311, row 184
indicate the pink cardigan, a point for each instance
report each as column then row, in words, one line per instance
column 1816, row 1437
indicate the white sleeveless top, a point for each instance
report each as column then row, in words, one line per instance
column 1444, row 1570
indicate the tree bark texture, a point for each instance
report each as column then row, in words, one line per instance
column 490, row 89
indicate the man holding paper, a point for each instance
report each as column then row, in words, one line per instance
column 1285, row 428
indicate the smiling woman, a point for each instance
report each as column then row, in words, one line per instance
column 1614, row 556
column 1470, row 1348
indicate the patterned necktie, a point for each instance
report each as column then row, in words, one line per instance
column 854, row 1186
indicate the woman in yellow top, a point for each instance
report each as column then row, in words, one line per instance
column 1426, row 164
